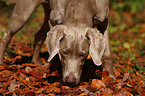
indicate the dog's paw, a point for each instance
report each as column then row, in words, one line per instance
column 37, row 61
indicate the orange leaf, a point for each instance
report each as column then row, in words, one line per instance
column 106, row 94
column 2, row 90
column 52, row 89
column 55, row 73
column 105, row 73
column 89, row 57
column 3, row 66
column 56, row 84
column 91, row 88
column 40, row 90
column 37, row 73
column 5, row 73
column 24, row 81
column 98, row 83
column 30, row 64
column 43, row 60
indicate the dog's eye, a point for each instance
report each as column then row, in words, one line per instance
column 65, row 53
column 82, row 55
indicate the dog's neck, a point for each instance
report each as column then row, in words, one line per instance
column 78, row 12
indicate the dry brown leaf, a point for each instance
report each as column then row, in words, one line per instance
column 40, row 90
column 44, row 75
column 121, row 94
column 121, row 83
column 2, row 90
column 13, row 85
column 43, row 60
column 65, row 89
column 106, row 94
column 91, row 88
column 29, row 93
column 28, row 69
column 109, row 82
column 56, row 84
column 84, row 89
column 51, row 94
column 143, row 94
column 13, row 60
column 83, row 94
column 52, row 89
column 46, row 83
column 30, row 65
column 37, row 74
column 105, row 73
column 3, row 66
column 24, row 81
column 97, row 83
column 6, row 73
column 55, row 73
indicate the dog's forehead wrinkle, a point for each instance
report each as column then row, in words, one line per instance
column 75, row 38
column 75, row 30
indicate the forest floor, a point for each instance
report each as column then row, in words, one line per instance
column 18, row 76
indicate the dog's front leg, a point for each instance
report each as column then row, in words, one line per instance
column 40, row 36
column 108, row 56
column 22, row 11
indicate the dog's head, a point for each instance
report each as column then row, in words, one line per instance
column 73, row 44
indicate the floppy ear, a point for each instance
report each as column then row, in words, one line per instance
column 52, row 41
column 97, row 45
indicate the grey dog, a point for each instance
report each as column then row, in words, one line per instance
column 71, row 35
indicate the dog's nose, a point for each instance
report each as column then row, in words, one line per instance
column 70, row 79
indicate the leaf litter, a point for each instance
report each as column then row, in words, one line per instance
column 19, row 77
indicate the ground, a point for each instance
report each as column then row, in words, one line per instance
column 18, row 76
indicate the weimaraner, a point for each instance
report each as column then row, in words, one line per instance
column 72, row 35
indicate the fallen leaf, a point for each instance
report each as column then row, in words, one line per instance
column 36, row 73
column 83, row 94
column 89, row 57
column 91, row 88
column 105, row 73
column 24, row 81
column 30, row 65
column 52, row 89
column 43, row 60
column 2, row 91
column 121, row 83
column 108, row 80
column 70, row 91
column 106, row 94
column 13, row 85
column 6, row 73
column 97, row 83
column 56, row 84
column 29, row 93
column 40, row 90
column 121, row 94
column 84, row 89
column 28, row 69
column 3, row 66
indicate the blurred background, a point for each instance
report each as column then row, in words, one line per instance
column 127, row 32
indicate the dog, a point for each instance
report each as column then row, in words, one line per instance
column 71, row 34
